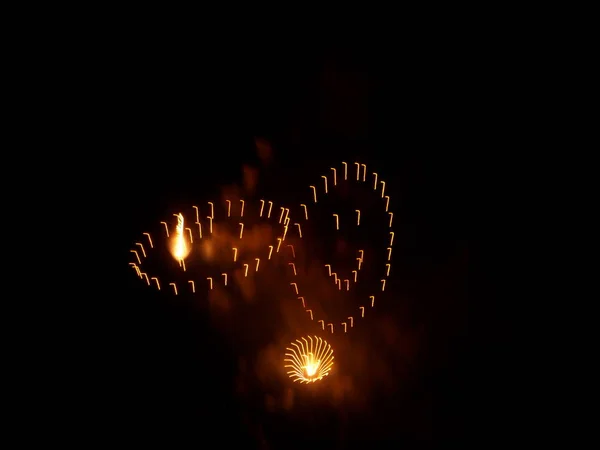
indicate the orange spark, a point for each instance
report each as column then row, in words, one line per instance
column 382, row 188
column 166, row 228
column 325, row 180
column 330, row 325
column 270, row 251
column 179, row 249
column 322, row 323
column 157, row 283
column 257, row 263
column 314, row 192
column 382, row 285
column 357, row 217
column 241, row 229
column 209, row 224
column 137, row 256
column 311, row 314
column 387, row 273
column 286, row 220
column 210, row 282
column 199, row 229
column 345, row 170
column 351, row 321
column 339, row 283
column 281, row 215
column 355, row 275
column 372, row 297
column 359, row 262
column 145, row 275
column 285, row 230
column 299, row 230
column 245, row 270
column 389, row 250
column 287, row 213
column 387, row 202
column 262, row 205
column 269, row 213
column 334, row 176
column 391, row 238
column 293, row 267
column 335, row 278
column 242, row 210
column 344, row 323
column 234, row 254
column 303, row 304
column 295, row 287
column 197, row 213
column 212, row 210
column 149, row 239
column 308, row 362
column 347, row 284
column 190, row 231
column 357, row 171
column 278, row 244
column 364, row 166
column 362, row 254
column 362, row 311
column 337, row 221
column 142, row 247
column 375, row 185
column 193, row 285
column 182, row 264
column 305, row 211
column 228, row 208
column 225, row 277
column 328, row 268
column 137, row 269
column 293, row 252
column 174, row 287
column 391, row 218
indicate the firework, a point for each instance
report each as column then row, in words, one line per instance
column 308, row 359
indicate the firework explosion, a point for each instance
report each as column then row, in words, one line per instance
column 309, row 360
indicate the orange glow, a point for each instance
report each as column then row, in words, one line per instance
column 166, row 228
column 309, row 360
column 179, row 248
column 334, row 176
column 149, row 239
column 325, row 180
column 174, row 287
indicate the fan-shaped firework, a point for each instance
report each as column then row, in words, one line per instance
column 308, row 359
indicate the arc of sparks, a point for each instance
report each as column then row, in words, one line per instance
column 278, row 244
column 210, row 282
column 174, row 287
column 210, row 219
column 362, row 311
column 257, row 263
column 293, row 267
column 355, row 272
column 293, row 251
column 357, row 171
column 382, row 188
column 351, row 321
column 136, row 255
column 166, row 228
column 305, row 211
column 145, row 275
column 330, row 325
column 391, row 214
column 334, row 176
column 241, row 229
column 295, row 287
column 281, row 215
column 347, row 284
column 389, row 250
column 245, row 270
column 387, row 202
column 391, row 238
column 142, row 247
column 322, row 322
column 382, row 285
column 325, row 180
column 157, row 283
column 345, row 164
column 197, row 213
column 149, row 239
column 262, row 206
column 357, row 217
column 224, row 275
column 372, row 297
column 311, row 314
column 199, row 229
column 344, row 323
column 193, row 285
column 190, row 232
column 314, row 192
column 212, row 210
column 270, row 207
column 299, row 230
column 387, row 273
column 328, row 268
column 270, row 251
column 228, row 208
column 364, row 166
column 337, row 221
column 234, row 254
column 303, row 304
column 242, row 210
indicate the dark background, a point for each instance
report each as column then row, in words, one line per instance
column 421, row 117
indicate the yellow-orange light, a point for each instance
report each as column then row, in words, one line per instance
column 308, row 359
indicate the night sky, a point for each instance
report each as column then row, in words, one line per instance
column 187, row 371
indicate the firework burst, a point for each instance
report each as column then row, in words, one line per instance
column 309, row 359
